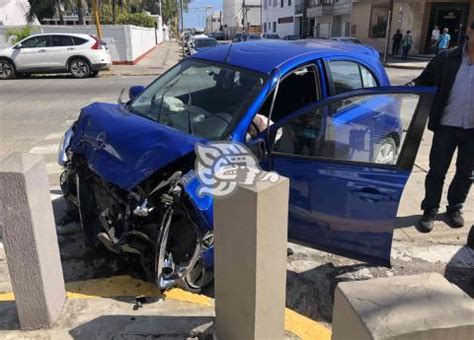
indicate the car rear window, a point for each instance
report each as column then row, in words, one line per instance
column 79, row 41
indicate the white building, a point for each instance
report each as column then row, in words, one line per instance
column 241, row 15
column 214, row 22
column 279, row 17
column 13, row 13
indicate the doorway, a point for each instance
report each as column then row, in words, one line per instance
column 452, row 16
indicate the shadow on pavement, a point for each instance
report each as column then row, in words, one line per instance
column 145, row 326
column 460, row 270
column 8, row 316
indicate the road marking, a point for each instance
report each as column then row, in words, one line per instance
column 126, row 286
column 54, row 135
column 45, row 149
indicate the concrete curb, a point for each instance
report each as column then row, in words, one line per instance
column 404, row 67
column 126, row 286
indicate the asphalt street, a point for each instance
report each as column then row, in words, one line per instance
column 35, row 112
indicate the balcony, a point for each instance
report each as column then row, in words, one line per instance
column 321, row 7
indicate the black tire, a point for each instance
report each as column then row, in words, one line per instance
column 7, row 69
column 94, row 74
column 386, row 151
column 198, row 280
column 470, row 238
column 79, row 68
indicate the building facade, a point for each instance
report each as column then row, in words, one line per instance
column 328, row 18
column 214, row 22
column 278, row 17
column 13, row 13
column 241, row 16
column 370, row 17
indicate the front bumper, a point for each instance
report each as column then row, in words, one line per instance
column 63, row 147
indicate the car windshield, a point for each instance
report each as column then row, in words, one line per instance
column 205, row 43
column 198, row 97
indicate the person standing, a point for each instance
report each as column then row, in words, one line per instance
column 444, row 39
column 452, row 121
column 434, row 39
column 407, row 43
column 397, row 40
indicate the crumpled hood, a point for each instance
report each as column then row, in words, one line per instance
column 124, row 148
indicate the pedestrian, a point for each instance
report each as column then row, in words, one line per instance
column 444, row 39
column 452, row 121
column 407, row 43
column 434, row 39
column 397, row 39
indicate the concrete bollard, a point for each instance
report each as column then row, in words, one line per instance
column 29, row 236
column 424, row 306
column 250, row 236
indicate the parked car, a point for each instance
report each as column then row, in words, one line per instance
column 218, row 35
column 291, row 37
column 247, row 37
column 237, row 37
column 270, row 36
column 346, row 140
column 191, row 39
column 347, row 39
column 202, row 44
column 82, row 55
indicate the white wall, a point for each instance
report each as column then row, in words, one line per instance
column 125, row 42
column 273, row 11
column 13, row 12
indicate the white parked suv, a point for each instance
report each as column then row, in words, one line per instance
column 81, row 55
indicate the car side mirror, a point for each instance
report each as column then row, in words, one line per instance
column 18, row 46
column 135, row 91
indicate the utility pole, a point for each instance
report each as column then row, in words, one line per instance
column 114, row 12
column 182, row 26
column 388, row 31
column 95, row 9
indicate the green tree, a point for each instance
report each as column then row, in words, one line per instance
column 16, row 34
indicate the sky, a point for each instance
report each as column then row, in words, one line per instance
column 196, row 15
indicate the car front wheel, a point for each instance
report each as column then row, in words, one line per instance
column 7, row 70
column 79, row 68
column 386, row 151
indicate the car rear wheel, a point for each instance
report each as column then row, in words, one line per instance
column 7, row 70
column 386, row 151
column 79, row 68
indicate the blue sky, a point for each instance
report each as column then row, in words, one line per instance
column 197, row 12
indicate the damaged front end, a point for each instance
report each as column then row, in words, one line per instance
column 159, row 223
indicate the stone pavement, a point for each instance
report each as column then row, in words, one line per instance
column 409, row 64
column 156, row 62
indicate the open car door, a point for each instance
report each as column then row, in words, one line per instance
column 348, row 158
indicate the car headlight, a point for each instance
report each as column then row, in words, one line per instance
column 64, row 155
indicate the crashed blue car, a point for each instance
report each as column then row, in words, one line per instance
column 321, row 113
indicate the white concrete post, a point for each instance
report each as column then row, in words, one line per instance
column 250, row 229
column 29, row 236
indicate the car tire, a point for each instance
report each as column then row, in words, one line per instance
column 79, row 68
column 198, row 280
column 386, row 151
column 94, row 74
column 7, row 69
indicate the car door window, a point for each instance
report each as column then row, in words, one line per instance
column 37, row 42
column 369, row 130
column 349, row 76
column 61, row 40
column 78, row 41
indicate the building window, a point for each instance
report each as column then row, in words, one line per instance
column 282, row 3
column 378, row 21
column 275, row 3
column 274, row 27
column 289, row 2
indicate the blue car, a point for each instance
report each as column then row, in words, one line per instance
column 321, row 113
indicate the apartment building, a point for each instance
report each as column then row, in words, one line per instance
column 279, row 17
column 370, row 17
column 328, row 18
column 241, row 16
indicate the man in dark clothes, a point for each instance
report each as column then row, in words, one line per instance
column 397, row 40
column 452, row 121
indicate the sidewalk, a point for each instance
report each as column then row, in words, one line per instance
column 413, row 63
column 154, row 63
column 108, row 309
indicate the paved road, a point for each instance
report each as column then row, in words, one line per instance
column 35, row 112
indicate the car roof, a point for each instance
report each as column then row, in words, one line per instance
column 79, row 35
column 265, row 55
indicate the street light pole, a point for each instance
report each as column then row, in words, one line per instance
column 182, row 26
